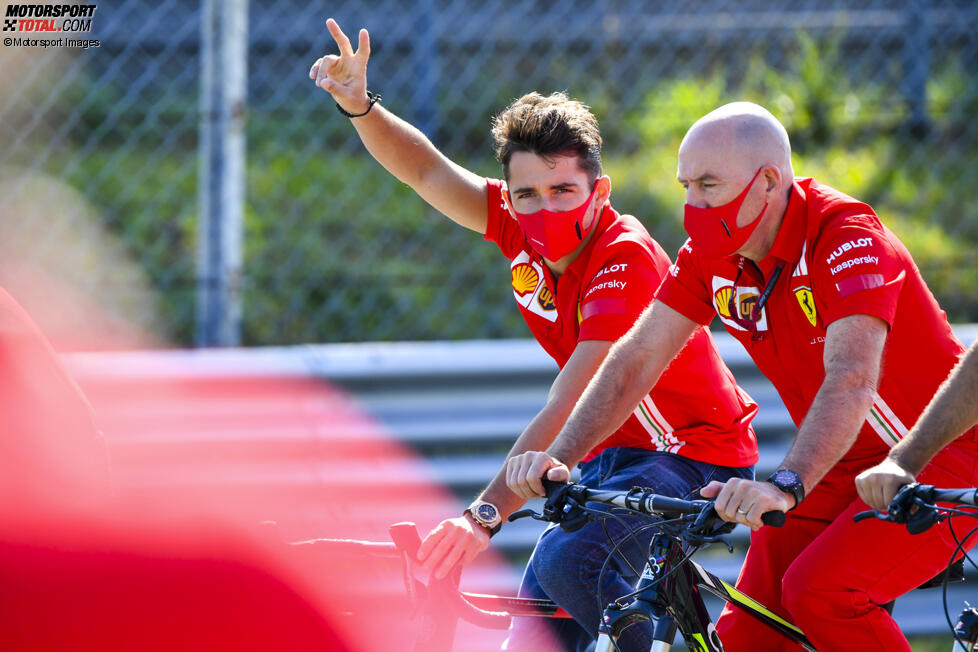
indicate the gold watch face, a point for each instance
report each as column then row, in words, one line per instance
column 486, row 513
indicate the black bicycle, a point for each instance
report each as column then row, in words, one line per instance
column 915, row 506
column 669, row 593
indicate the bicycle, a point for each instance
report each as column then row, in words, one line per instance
column 669, row 591
column 915, row 506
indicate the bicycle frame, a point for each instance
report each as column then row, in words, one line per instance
column 670, row 594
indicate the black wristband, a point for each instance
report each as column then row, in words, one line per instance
column 370, row 96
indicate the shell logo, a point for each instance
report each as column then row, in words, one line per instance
column 722, row 299
column 525, row 279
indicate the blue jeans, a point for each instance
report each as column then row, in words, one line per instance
column 565, row 566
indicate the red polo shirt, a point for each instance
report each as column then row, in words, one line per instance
column 839, row 260
column 696, row 409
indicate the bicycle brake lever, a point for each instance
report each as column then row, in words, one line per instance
column 870, row 513
column 523, row 513
column 715, row 538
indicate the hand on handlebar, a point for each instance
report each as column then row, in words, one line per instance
column 747, row 501
column 524, row 473
column 913, row 505
column 453, row 541
column 877, row 486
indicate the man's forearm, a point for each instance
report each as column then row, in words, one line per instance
column 852, row 358
column 407, row 153
column 632, row 368
column 603, row 407
column 536, row 437
column 400, row 147
column 830, row 428
column 952, row 411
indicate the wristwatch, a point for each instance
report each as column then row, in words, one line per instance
column 788, row 481
column 486, row 515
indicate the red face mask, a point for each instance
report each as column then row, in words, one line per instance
column 554, row 234
column 714, row 231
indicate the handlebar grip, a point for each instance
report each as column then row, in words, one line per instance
column 550, row 486
column 775, row 518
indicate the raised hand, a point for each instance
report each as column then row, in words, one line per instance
column 344, row 76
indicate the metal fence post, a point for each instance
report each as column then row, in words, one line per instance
column 424, row 53
column 224, row 41
column 916, row 64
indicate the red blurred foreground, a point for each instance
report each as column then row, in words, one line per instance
column 164, row 551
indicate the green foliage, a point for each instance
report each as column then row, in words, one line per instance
column 338, row 250
column 923, row 189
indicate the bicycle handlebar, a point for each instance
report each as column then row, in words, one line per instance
column 637, row 499
column 923, row 497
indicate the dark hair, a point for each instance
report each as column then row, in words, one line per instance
column 548, row 126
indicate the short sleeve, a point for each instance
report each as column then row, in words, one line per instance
column 856, row 271
column 684, row 289
column 617, row 294
column 501, row 227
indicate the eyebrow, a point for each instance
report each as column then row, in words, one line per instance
column 556, row 186
column 706, row 176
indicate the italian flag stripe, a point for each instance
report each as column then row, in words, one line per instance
column 885, row 422
column 649, row 419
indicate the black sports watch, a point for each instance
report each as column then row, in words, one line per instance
column 486, row 515
column 788, row 481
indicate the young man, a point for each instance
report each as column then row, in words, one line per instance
column 581, row 274
column 833, row 310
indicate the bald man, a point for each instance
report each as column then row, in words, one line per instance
column 832, row 309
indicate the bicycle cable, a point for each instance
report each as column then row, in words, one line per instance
column 656, row 525
column 616, row 546
column 947, row 571
column 621, row 513
column 632, row 534
column 672, row 571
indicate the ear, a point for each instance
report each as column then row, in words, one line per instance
column 772, row 180
column 603, row 185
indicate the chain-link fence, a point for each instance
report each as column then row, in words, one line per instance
column 99, row 147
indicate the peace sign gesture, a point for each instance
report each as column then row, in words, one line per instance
column 344, row 76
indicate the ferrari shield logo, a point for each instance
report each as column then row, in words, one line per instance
column 807, row 302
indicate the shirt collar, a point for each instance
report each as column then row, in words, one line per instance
column 791, row 234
